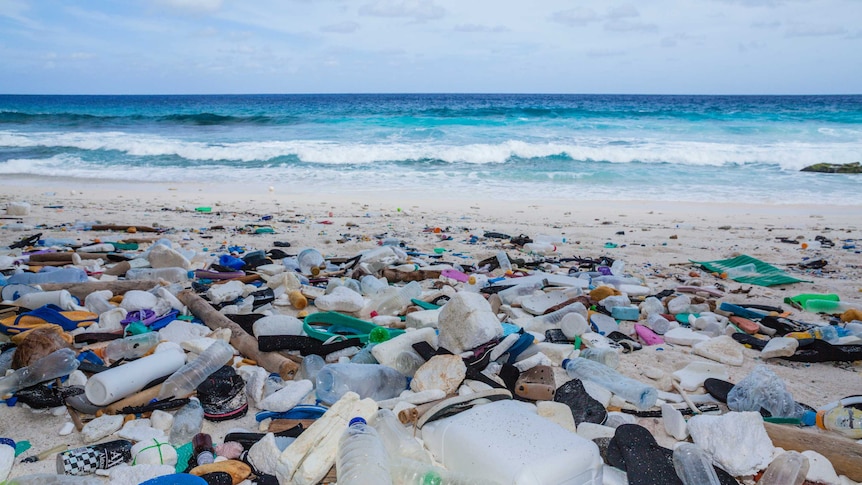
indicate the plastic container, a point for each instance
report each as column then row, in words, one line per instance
column 133, row 347
column 185, row 380
column 36, row 299
column 540, row 248
column 62, row 275
column 555, row 317
column 394, row 302
column 97, row 301
column 361, row 458
column 509, row 295
column 187, row 423
column 310, row 366
column 659, row 324
column 740, row 271
column 310, row 261
column 171, row 275
column 694, row 466
column 503, row 261
column 508, row 442
column 827, row 306
column 202, row 449
column 399, row 443
column 376, row 381
column 633, row 391
column 843, row 420
column 408, row 362
column 825, row 332
column 124, row 380
column 763, row 389
column 372, row 285
column 411, row 472
column 788, row 468
column 606, row 356
column 56, row 364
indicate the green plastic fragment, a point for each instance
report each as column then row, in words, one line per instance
column 21, row 447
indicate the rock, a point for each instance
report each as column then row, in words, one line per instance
column 444, row 372
column 264, row 454
column 737, row 441
column 161, row 256
column 557, row 412
column 721, row 349
column 820, row 469
column 140, row 430
column 779, row 347
column 692, row 376
column 138, row 473
column 238, row 470
column 684, row 336
column 287, row 397
column 154, row 451
column 230, row 450
column 135, row 300
column 225, row 292
column 179, row 331
column 161, row 420
column 66, row 429
column 342, row 299
column 674, row 423
column 679, row 304
column 852, row 167
column 466, row 322
column 101, row 427
column 277, row 325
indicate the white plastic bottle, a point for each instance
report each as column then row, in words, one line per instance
column 171, row 275
column 361, row 458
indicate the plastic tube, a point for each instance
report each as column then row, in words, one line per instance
column 61, row 298
column 122, row 381
column 185, row 380
column 56, row 364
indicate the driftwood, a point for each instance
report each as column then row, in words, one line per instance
column 395, row 276
column 240, row 339
column 65, row 257
column 123, row 227
column 844, row 454
column 81, row 290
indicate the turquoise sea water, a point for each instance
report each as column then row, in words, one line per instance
column 579, row 147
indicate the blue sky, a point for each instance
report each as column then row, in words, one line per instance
column 325, row 46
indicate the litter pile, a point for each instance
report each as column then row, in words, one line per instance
column 395, row 365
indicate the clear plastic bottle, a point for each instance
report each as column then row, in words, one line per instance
column 412, row 472
column 635, row 392
column 62, row 275
column 659, row 324
column 540, row 248
column 398, row 442
column 694, row 466
column 408, row 362
column 364, row 355
column 763, row 389
column 555, row 317
column 372, row 285
column 185, row 380
column 131, row 347
column 361, row 458
column 56, row 364
column 188, row 422
column 394, row 302
column 788, row 468
column 310, row 261
column 843, row 420
column 509, row 295
column 820, row 306
column 503, row 261
column 606, row 356
column 310, row 366
column 376, row 381
column 171, row 275
column 740, row 271
column 825, row 332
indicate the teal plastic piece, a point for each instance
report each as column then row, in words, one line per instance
column 326, row 325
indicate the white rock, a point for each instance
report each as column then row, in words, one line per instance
column 255, row 378
column 179, row 331
column 154, row 451
column 225, row 292
column 673, row 421
column 287, row 397
column 17, row 208
column 161, row 256
column 422, row 319
column 161, row 420
column 557, row 412
column 271, row 269
column 138, row 473
column 386, row 352
column 684, row 336
column 680, row 304
column 140, row 430
column 736, row 441
column 820, row 469
column 135, row 300
column 466, row 321
column 66, row 429
column 592, row 431
column 76, row 378
column 444, row 372
column 779, row 347
column 264, row 454
column 721, row 349
column 101, row 427
column 277, row 325
column 692, row 376
column 342, row 299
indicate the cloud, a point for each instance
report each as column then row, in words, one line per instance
column 756, row 3
column 419, row 10
column 605, row 53
column 626, row 26
column 668, row 42
column 750, row 46
column 802, row 30
column 341, row 28
column 773, row 24
column 192, row 6
column 575, row 17
column 623, row 12
column 480, row 28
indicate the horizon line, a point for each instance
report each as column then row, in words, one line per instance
column 435, row 93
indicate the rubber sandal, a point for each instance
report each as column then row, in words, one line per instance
column 326, row 325
column 584, row 408
column 822, row 351
column 47, row 314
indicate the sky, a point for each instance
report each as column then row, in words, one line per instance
column 430, row 46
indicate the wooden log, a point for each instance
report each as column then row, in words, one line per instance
column 395, row 276
column 243, row 279
column 246, row 344
column 844, row 454
column 64, row 256
column 122, row 227
column 81, row 290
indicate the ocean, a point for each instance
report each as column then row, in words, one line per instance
column 746, row 149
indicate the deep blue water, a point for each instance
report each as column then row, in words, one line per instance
column 723, row 148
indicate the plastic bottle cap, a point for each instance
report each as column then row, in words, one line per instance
column 7, row 441
column 565, row 361
column 357, row 419
column 809, row 418
column 191, row 275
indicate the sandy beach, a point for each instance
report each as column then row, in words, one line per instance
column 656, row 240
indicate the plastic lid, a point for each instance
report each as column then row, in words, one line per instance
column 809, row 418
column 565, row 362
column 357, row 419
column 7, row 441
column 191, row 275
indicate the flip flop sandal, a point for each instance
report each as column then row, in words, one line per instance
column 584, row 408
column 48, row 314
column 27, row 241
column 456, row 404
column 625, row 342
column 822, row 351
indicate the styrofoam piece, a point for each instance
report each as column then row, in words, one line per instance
column 386, row 352
column 692, row 376
column 737, row 441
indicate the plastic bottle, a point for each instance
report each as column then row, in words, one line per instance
column 763, row 389
column 364, row 355
column 371, row 285
column 310, row 366
column 54, row 479
column 394, row 302
column 55, row 241
column 693, row 466
column 187, row 423
column 822, row 306
column 131, row 347
column 635, row 392
column 825, row 332
column 651, row 306
column 659, row 324
column 310, row 261
column 503, row 261
column 62, row 275
column 36, row 299
column 56, row 364
column 171, row 275
column 397, row 441
column 606, row 356
column 788, row 468
column 203, row 451
column 740, row 271
column 184, row 381
column 509, row 295
column 361, row 458
column 540, row 248
column 555, row 317
column 124, row 380
column 843, row 420
column 475, row 283
column 549, row 239
column 412, row 472
column 98, row 301
column 408, row 362
column 376, row 381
